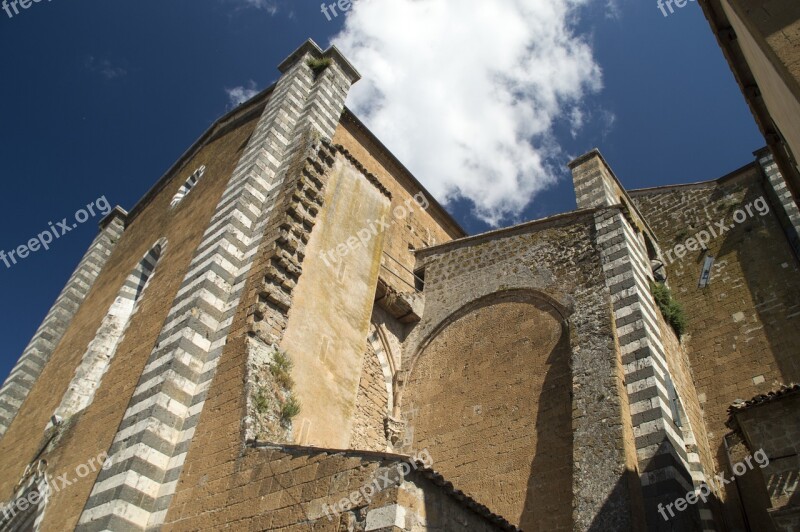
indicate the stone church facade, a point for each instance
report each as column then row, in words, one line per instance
column 288, row 333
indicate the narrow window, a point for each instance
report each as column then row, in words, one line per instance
column 419, row 280
column 101, row 350
column 674, row 402
column 188, row 185
column 705, row 275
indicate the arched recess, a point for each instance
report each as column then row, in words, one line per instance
column 375, row 395
column 377, row 338
column 109, row 336
column 24, row 513
column 488, row 394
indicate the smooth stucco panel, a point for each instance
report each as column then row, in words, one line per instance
column 329, row 320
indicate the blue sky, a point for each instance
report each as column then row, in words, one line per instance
column 100, row 98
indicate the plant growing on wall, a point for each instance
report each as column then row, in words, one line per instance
column 281, row 369
column 261, row 402
column 290, row 409
column 671, row 310
column 319, row 64
column 272, row 400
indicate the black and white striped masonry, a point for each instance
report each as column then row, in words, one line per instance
column 109, row 336
column 154, row 437
column 667, row 469
column 791, row 214
column 30, row 365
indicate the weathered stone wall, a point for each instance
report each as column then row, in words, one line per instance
column 743, row 327
column 774, row 427
column 692, row 428
column 101, row 350
column 777, row 23
column 667, row 460
column 489, row 396
column 325, row 335
column 265, row 189
column 372, row 406
column 93, row 431
column 557, row 263
column 307, row 489
column 786, row 208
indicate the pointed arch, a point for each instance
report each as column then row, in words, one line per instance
column 377, row 338
column 187, row 186
column 560, row 309
column 109, row 336
column 26, row 510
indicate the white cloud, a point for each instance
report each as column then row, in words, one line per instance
column 576, row 120
column 466, row 92
column 239, row 95
column 613, row 11
column 270, row 6
column 104, row 67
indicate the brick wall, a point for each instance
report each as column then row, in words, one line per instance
column 306, row 489
column 371, row 406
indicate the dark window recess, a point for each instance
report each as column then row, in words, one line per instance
column 419, row 280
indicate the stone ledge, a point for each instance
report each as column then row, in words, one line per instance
column 403, row 306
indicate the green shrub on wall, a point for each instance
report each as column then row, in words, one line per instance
column 290, row 409
column 671, row 310
column 319, row 64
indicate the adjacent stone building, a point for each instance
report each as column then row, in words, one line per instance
column 288, row 333
column 761, row 42
column 770, row 424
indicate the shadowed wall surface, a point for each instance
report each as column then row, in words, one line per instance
column 489, row 397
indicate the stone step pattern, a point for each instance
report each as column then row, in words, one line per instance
column 41, row 347
column 101, row 350
column 154, row 436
